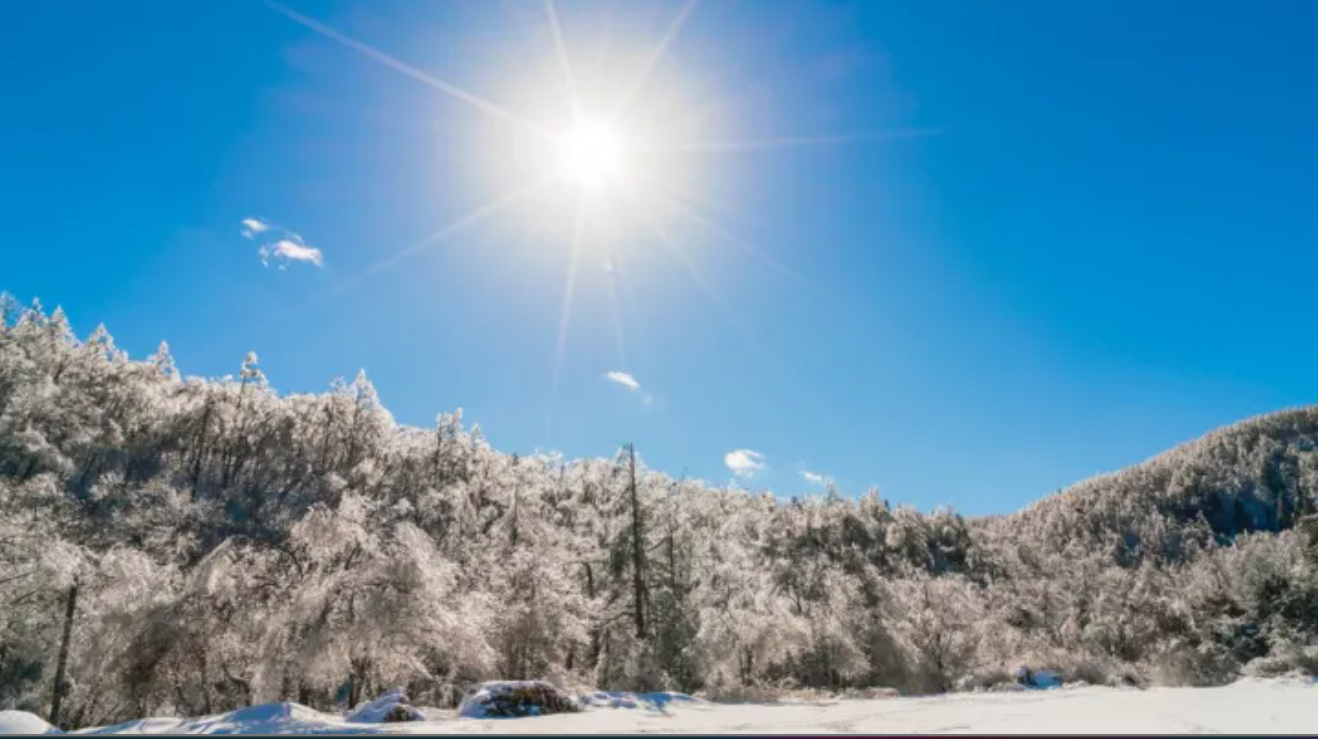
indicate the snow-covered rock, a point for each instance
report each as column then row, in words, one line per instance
column 22, row 722
column 517, row 699
column 392, row 707
column 1040, row 679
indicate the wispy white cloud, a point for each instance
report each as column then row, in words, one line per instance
column 281, row 246
column 624, row 379
column 816, row 478
column 252, row 227
column 744, row 462
column 285, row 251
column 631, row 383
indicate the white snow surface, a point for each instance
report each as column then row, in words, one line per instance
column 1248, row 706
column 22, row 722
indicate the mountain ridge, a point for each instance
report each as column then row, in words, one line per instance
column 1257, row 474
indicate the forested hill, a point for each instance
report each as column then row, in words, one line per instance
column 1257, row 475
column 208, row 543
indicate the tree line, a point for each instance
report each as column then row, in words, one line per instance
column 182, row 545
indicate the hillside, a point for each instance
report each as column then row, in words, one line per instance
column 1260, row 474
column 226, row 545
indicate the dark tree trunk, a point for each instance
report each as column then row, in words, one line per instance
column 593, row 653
column 638, row 547
column 61, row 666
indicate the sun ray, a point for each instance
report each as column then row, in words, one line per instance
column 707, row 203
column 557, row 28
column 623, row 285
column 565, row 313
column 399, row 66
column 662, row 48
column 805, row 399
column 454, row 227
column 784, row 142
column 671, row 246
column 688, row 209
column 619, row 336
column 485, row 211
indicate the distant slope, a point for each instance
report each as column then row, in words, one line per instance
column 1260, row 474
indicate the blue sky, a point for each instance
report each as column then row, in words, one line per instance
column 1088, row 235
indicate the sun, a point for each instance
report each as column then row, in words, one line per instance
column 620, row 134
column 591, row 154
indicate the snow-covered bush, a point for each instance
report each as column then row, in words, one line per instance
column 517, row 699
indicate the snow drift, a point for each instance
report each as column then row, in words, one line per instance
column 22, row 722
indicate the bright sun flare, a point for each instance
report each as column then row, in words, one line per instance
column 591, row 154
column 599, row 159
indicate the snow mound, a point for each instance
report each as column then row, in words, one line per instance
column 139, row 726
column 269, row 718
column 392, row 707
column 517, row 699
column 22, row 722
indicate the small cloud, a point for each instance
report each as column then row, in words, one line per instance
column 815, row 478
column 284, row 246
column 624, row 379
column 252, row 227
column 744, row 462
column 285, row 251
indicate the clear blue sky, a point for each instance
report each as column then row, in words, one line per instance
column 1099, row 242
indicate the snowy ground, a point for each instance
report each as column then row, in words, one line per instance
column 1248, row 707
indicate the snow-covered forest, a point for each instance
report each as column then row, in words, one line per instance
column 186, row 546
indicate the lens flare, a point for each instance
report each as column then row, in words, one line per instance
column 591, row 154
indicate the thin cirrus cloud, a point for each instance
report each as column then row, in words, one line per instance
column 280, row 246
column 815, row 478
column 628, row 381
column 744, row 462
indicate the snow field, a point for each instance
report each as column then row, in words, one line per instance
column 1246, row 707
